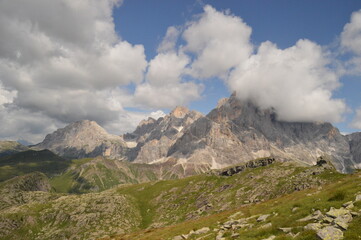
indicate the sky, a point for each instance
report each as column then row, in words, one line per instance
column 120, row 61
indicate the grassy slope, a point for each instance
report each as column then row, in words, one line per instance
column 30, row 161
column 98, row 174
column 186, row 204
column 11, row 147
column 343, row 189
column 167, row 202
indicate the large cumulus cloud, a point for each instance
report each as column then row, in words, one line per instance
column 297, row 82
column 62, row 61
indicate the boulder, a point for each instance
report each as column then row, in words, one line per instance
column 263, row 218
column 313, row 226
column 343, row 220
column 334, row 213
column 330, row 233
column 358, row 198
column 202, row 230
column 286, row 230
column 267, row 225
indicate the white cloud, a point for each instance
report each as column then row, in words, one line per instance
column 351, row 43
column 62, row 61
column 356, row 122
column 170, row 40
column 166, row 68
column 6, row 96
column 164, row 86
column 167, row 96
column 295, row 81
column 24, row 124
column 220, row 41
column 351, row 35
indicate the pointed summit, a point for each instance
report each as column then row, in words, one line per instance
column 83, row 139
column 179, row 112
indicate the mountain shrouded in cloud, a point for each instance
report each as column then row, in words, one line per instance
column 63, row 61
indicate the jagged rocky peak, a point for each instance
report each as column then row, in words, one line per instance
column 237, row 131
column 148, row 121
column 156, row 137
column 221, row 102
column 179, row 112
column 83, row 139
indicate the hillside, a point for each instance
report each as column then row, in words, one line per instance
column 11, row 147
column 156, row 205
column 98, row 174
column 30, row 161
column 307, row 214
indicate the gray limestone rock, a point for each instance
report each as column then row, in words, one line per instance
column 334, row 213
column 313, row 226
column 330, row 233
column 343, row 221
column 263, row 218
column 202, row 230
column 358, row 198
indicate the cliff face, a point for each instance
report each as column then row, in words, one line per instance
column 355, row 147
column 84, row 139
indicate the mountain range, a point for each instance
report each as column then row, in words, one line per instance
column 236, row 173
column 232, row 133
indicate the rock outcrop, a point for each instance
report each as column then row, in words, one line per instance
column 84, row 139
column 230, row 171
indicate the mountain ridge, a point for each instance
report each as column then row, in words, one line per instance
column 233, row 132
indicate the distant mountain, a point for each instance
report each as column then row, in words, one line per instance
column 11, row 147
column 25, row 142
column 29, row 161
column 83, row 139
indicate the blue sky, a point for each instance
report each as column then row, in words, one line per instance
column 282, row 22
column 119, row 61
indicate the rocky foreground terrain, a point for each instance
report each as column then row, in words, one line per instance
column 265, row 199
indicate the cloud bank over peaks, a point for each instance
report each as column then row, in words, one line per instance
column 295, row 81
